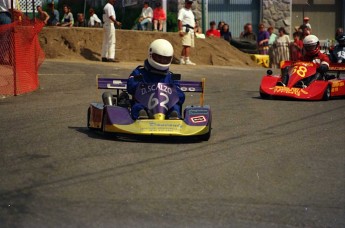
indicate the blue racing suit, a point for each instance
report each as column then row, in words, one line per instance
column 151, row 75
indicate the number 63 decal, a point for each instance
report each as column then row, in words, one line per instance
column 153, row 102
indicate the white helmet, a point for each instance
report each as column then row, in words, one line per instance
column 311, row 45
column 160, row 54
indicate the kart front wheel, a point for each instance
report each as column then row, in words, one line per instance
column 327, row 93
column 206, row 136
column 265, row 96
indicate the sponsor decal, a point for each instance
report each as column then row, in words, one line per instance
column 287, row 90
column 190, row 89
column 198, row 119
column 337, row 68
column 336, row 85
column 197, row 112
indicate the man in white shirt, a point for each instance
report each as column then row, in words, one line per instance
column 94, row 20
column 186, row 24
column 6, row 10
column 145, row 17
column 109, row 39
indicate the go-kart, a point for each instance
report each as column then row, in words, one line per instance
column 301, row 80
column 114, row 114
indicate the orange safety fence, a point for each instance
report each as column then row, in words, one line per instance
column 20, row 57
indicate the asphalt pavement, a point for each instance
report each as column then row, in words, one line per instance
column 269, row 163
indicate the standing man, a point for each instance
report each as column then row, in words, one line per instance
column 6, row 10
column 186, row 23
column 109, row 39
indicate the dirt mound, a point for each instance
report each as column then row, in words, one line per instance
column 86, row 43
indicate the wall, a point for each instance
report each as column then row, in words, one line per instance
column 277, row 13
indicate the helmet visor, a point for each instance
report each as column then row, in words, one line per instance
column 161, row 59
column 310, row 47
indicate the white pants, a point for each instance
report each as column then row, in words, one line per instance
column 109, row 41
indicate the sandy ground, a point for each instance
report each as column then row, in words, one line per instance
column 86, row 43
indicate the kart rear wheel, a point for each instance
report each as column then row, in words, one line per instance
column 88, row 119
column 327, row 93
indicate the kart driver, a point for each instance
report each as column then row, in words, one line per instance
column 338, row 53
column 155, row 70
column 311, row 53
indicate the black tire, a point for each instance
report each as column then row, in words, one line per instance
column 88, row 119
column 265, row 96
column 244, row 44
column 206, row 136
column 327, row 94
column 104, row 120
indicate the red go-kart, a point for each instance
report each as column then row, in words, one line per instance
column 301, row 80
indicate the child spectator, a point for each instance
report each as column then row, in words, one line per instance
column 213, row 31
column 225, row 33
column 94, row 20
column 159, row 17
column 296, row 47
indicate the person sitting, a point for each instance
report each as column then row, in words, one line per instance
column 54, row 16
column 225, row 33
column 67, row 19
column 145, row 17
column 213, row 30
column 338, row 53
column 94, row 21
column 311, row 53
column 42, row 15
column 159, row 17
column 80, row 21
column 155, row 70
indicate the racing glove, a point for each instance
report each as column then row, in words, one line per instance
column 323, row 68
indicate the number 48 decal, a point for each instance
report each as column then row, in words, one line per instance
column 300, row 70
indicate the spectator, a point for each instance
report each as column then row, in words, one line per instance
column 338, row 32
column 80, row 21
column 67, row 19
column 94, row 20
column 263, row 38
column 220, row 25
column 198, row 31
column 306, row 22
column 5, row 12
column 212, row 31
column 304, row 31
column 296, row 47
column 159, row 17
column 281, row 47
column 186, row 24
column 248, row 32
column 271, row 41
column 244, row 31
column 42, row 15
column 54, row 16
column 225, row 33
column 145, row 17
column 109, row 38
column 338, row 53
